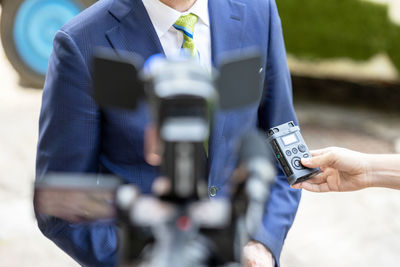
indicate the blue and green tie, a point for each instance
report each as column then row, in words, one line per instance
column 186, row 24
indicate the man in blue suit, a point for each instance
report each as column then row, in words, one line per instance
column 75, row 136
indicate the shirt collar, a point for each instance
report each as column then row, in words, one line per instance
column 163, row 16
column 200, row 9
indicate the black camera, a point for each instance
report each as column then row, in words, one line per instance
column 289, row 147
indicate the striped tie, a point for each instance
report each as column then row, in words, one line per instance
column 186, row 24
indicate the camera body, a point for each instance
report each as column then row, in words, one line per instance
column 289, row 147
column 182, row 94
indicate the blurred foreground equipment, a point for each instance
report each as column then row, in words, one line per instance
column 179, row 225
column 159, row 232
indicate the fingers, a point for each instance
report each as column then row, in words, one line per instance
column 319, row 179
column 296, row 186
column 322, row 151
column 311, row 162
column 161, row 186
column 318, row 152
column 151, row 146
column 316, row 180
column 316, row 188
column 327, row 159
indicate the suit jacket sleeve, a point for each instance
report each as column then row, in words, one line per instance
column 277, row 108
column 69, row 141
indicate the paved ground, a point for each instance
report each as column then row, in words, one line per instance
column 21, row 243
column 347, row 230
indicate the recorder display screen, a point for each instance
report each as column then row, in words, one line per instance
column 289, row 139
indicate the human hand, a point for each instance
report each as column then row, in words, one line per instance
column 342, row 170
column 152, row 148
column 256, row 254
column 75, row 206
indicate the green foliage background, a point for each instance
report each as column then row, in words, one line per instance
column 323, row 29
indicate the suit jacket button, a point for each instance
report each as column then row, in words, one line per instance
column 213, row 191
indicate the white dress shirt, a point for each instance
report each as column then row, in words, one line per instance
column 163, row 18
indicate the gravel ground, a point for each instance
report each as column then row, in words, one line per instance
column 346, row 230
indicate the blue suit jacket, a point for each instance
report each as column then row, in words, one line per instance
column 76, row 137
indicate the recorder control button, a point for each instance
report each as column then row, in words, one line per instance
column 302, row 148
column 306, row 156
column 288, row 153
column 297, row 163
column 294, row 150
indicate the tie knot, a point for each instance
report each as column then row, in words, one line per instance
column 186, row 24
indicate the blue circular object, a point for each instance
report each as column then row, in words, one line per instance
column 36, row 24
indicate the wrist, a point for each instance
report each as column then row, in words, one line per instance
column 368, row 176
column 368, row 170
column 383, row 171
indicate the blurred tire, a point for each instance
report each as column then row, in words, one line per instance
column 27, row 31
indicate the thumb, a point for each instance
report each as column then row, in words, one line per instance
column 324, row 160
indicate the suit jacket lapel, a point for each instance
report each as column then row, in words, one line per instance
column 134, row 32
column 227, row 20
